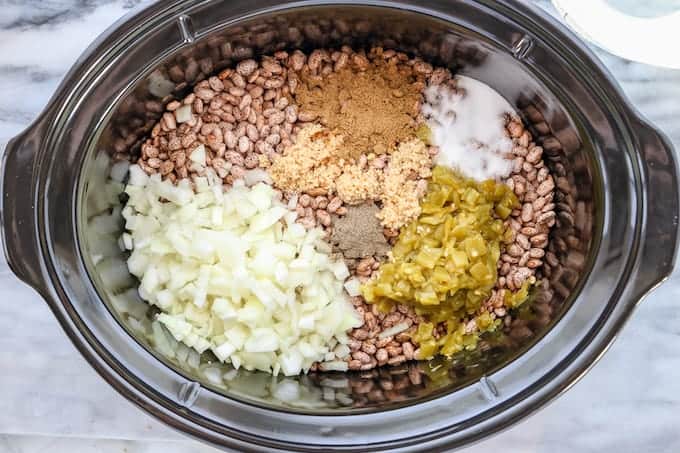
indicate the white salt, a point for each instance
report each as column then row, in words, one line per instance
column 469, row 128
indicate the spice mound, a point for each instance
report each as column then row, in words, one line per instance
column 374, row 108
column 359, row 234
column 475, row 141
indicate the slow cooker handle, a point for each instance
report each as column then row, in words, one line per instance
column 660, row 238
column 18, row 180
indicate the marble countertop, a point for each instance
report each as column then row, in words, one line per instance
column 52, row 401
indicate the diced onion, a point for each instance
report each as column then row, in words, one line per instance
column 231, row 272
column 341, row 351
column 138, row 177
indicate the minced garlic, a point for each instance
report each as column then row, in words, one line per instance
column 404, row 183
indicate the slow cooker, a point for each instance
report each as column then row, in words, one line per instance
column 615, row 238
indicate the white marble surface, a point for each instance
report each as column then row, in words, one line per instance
column 51, row 401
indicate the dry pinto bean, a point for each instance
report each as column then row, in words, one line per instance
column 354, row 364
column 515, row 250
column 215, row 84
column 271, row 66
column 243, row 144
column 273, row 83
column 238, row 80
column 306, row 116
column 237, row 92
column 533, row 263
column 524, row 259
column 540, row 240
column 281, row 103
column 381, row 356
column 304, row 200
column 523, row 241
column 276, row 118
column 527, row 212
column 361, row 356
column 169, row 121
column 252, row 133
column 536, row 253
column 252, row 78
column 297, row 60
column 360, row 334
column 321, row 202
column 246, row 67
column 157, row 107
column 269, row 96
column 273, row 139
column 334, row 204
column 205, row 94
column 291, row 114
column 396, row 360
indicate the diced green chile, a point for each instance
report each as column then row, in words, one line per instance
column 444, row 263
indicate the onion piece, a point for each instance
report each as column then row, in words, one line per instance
column 198, row 155
column 353, row 287
column 183, row 114
column 119, row 170
column 394, row 330
column 159, row 85
column 342, row 351
column 252, row 177
column 292, row 202
column 138, row 177
column 334, row 366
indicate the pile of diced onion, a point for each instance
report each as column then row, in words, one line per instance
column 233, row 273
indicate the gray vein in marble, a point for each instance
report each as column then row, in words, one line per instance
column 21, row 14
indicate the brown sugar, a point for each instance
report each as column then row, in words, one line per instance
column 373, row 109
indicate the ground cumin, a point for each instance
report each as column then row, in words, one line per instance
column 373, row 109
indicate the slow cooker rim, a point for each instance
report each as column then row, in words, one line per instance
column 66, row 319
